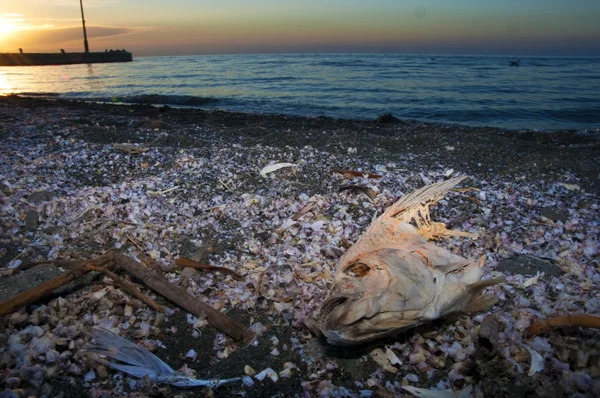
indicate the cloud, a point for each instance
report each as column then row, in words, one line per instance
column 75, row 33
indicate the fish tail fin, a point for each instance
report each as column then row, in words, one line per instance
column 415, row 206
column 481, row 301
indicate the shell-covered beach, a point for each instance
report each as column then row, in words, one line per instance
column 68, row 193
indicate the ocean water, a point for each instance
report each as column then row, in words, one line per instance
column 544, row 93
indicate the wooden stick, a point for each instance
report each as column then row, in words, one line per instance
column 179, row 296
column 68, row 264
column 186, row 262
column 543, row 325
column 129, row 287
column 151, row 276
column 32, row 295
column 149, row 262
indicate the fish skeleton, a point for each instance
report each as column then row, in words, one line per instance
column 393, row 279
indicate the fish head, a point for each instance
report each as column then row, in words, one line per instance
column 375, row 295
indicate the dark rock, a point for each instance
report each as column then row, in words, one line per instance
column 387, row 118
column 32, row 220
column 12, row 285
column 555, row 214
column 526, row 265
column 41, row 196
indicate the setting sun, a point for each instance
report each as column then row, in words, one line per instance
column 6, row 28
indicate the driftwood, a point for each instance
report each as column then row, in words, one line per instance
column 186, row 262
column 544, row 325
column 179, row 296
column 150, row 275
column 32, row 295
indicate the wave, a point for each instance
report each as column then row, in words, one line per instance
column 162, row 99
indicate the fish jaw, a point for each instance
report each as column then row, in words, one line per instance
column 376, row 295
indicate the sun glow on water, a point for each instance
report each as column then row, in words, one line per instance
column 5, row 86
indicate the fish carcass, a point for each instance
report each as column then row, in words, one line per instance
column 393, row 279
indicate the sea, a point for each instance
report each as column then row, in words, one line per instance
column 542, row 93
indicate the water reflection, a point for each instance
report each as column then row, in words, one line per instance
column 5, row 86
column 92, row 81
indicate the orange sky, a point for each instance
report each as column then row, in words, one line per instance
column 153, row 27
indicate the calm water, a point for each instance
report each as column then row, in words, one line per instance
column 543, row 93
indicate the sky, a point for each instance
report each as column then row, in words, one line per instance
column 189, row 27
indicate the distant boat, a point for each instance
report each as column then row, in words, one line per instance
column 64, row 58
column 514, row 63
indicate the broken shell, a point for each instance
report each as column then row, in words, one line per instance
column 437, row 362
column 52, row 356
column 537, row 362
column 249, row 370
column 89, row 376
column 191, row 354
column 42, row 344
column 392, row 357
column 285, row 373
column 128, row 310
column 248, row 382
column 268, row 372
column 414, row 359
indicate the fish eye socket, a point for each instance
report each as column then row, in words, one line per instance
column 357, row 269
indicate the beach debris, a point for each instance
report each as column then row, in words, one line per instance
column 533, row 280
column 274, row 167
column 162, row 192
column 392, row 278
column 380, row 357
column 487, row 338
column 306, row 209
column 268, row 372
column 123, row 355
column 131, row 148
column 365, row 191
column 46, row 151
column 570, row 187
column 150, row 275
column 537, row 361
column 186, row 262
column 249, row 371
column 544, row 325
column 353, row 173
column 392, row 357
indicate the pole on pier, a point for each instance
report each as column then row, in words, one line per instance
column 85, row 42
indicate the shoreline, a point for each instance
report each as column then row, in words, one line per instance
column 192, row 103
column 487, row 151
column 68, row 193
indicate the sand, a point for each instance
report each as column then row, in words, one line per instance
column 67, row 193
